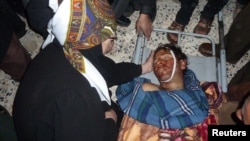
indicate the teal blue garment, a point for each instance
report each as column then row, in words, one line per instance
column 165, row 109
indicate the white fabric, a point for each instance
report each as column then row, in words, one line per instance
column 96, row 80
column 58, row 25
column 53, row 4
column 174, row 67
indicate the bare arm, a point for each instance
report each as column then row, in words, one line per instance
column 148, row 65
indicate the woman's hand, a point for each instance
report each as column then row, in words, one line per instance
column 107, row 45
column 111, row 114
column 148, row 65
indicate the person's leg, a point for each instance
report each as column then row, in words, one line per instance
column 239, row 85
column 242, row 2
column 8, row 26
column 186, row 11
column 238, row 7
column 15, row 60
column 182, row 18
column 39, row 14
column 12, row 19
column 212, row 8
column 241, row 76
column 207, row 16
column 237, row 41
column 17, row 6
column 119, row 7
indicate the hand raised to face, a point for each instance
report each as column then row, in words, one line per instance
column 107, row 45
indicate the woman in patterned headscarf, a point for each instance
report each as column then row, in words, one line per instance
column 64, row 94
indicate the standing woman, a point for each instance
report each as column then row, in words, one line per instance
column 63, row 96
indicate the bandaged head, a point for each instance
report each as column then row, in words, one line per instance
column 171, row 62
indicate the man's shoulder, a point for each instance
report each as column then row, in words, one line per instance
column 147, row 86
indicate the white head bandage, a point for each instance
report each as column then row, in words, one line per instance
column 174, row 67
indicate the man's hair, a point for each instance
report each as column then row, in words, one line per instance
column 177, row 50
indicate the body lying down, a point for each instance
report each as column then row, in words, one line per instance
column 177, row 108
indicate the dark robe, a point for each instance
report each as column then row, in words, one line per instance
column 54, row 102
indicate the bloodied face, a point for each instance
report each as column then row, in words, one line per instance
column 164, row 64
